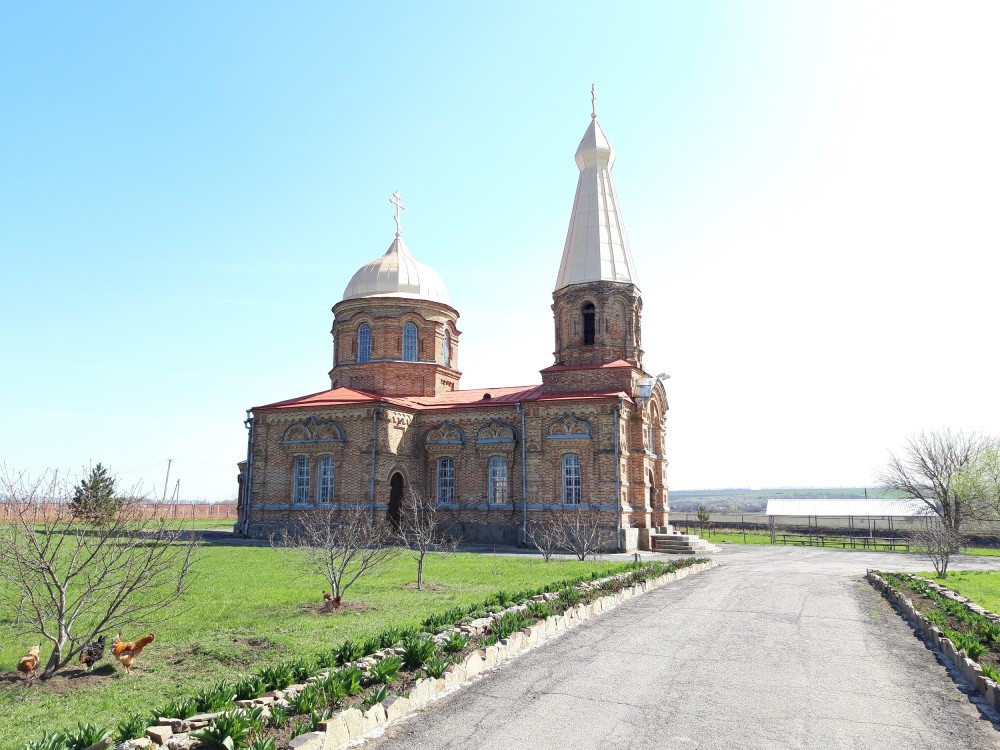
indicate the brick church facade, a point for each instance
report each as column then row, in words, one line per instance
column 589, row 438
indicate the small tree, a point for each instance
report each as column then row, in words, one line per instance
column 341, row 546
column 547, row 536
column 71, row 578
column 94, row 497
column 939, row 542
column 420, row 531
column 703, row 517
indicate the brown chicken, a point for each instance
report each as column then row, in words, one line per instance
column 126, row 651
column 29, row 663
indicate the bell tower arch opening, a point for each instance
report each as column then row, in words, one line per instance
column 589, row 314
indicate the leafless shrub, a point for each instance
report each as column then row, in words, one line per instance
column 939, row 542
column 340, row 545
column 547, row 536
column 583, row 533
column 71, row 578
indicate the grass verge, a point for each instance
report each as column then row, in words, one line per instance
column 982, row 586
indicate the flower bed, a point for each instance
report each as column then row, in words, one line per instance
column 358, row 686
column 967, row 634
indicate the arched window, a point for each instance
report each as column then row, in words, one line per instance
column 588, row 324
column 497, row 480
column 410, row 342
column 300, row 480
column 446, row 349
column 445, row 480
column 572, row 479
column 324, row 479
column 364, row 342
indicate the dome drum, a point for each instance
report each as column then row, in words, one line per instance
column 395, row 345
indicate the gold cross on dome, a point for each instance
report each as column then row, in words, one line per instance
column 397, row 201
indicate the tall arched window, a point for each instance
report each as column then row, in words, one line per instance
column 445, row 480
column 324, row 479
column 364, row 342
column 572, row 479
column 588, row 324
column 446, row 349
column 410, row 342
column 300, row 480
column 497, row 492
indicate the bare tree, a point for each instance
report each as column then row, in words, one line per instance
column 72, row 577
column 420, row 531
column 939, row 542
column 341, row 546
column 932, row 469
column 583, row 532
column 548, row 536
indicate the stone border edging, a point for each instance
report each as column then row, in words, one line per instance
column 931, row 634
column 353, row 726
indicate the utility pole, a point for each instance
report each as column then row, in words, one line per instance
column 166, row 479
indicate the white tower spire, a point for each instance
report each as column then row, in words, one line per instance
column 596, row 245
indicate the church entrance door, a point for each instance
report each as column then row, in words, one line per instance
column 395, row 499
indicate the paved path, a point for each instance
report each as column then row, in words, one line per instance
column 778, row 648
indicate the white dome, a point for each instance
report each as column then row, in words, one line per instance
column 397, row 274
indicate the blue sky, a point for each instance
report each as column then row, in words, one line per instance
column 810, row 191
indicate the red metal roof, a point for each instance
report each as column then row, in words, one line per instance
column 334, row 397
column 476, row 397
column 605, row 366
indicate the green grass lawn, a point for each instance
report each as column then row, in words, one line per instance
column 735, row 537
column 248, row 607
column 201, row 523
column 982, row 586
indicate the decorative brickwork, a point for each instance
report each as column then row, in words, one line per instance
column 590, row 438
column 385, row 370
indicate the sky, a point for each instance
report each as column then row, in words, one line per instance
column 810, row 192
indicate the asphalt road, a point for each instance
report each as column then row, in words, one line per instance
column 777, row 648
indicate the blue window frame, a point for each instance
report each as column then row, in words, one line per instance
column 300, row 480
column 364, row 342
column 410, row 342
column 498, row 485
column 324, row 479
column 572, row 479
column 445, row 480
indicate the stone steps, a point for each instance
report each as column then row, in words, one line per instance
column 681, row 544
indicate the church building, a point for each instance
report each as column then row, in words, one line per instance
column 589, row 439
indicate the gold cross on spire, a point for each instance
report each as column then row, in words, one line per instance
column 397, row 201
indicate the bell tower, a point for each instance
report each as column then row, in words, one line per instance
column 596, row 302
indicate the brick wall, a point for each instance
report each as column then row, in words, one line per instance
column 386, row 372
